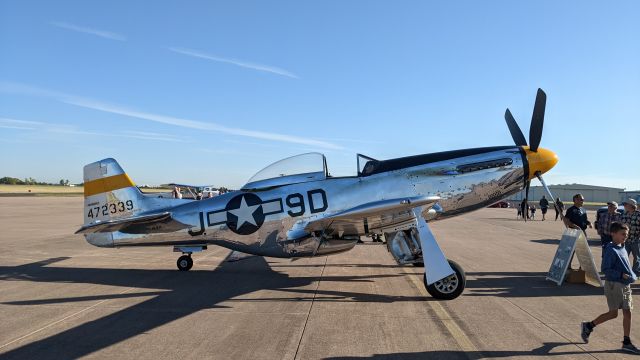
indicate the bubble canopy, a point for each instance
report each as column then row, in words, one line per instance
column 292, row 170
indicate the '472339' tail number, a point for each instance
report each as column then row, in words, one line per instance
column 111, row 208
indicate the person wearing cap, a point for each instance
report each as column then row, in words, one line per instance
column 604, row 223
column 576, row 216
column 631, row 217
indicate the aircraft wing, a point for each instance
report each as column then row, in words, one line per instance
column 189, row 185
column 145, row 224
column 373, row 215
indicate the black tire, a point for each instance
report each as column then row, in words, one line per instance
column 418, row 264
column 185, row 263
column 450, row 287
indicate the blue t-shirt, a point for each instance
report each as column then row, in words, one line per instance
column 615, row 263
column 578, row 216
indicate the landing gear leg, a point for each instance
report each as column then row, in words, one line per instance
column 185, row 262
column 444, row 279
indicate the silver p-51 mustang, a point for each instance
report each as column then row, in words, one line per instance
column 295, row 208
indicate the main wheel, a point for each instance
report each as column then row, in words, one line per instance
column 450, row 287
column 185, row 262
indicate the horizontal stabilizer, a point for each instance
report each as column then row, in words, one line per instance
column 146, row 224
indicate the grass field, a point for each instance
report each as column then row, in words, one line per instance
column 53, row 190
column 39, row 189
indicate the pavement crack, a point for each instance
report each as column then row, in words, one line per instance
column 547, row 325
column 84, row 310
column 315, row 293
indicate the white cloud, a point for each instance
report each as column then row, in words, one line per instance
column 23, row 89
column 164, row 119
column 194, row 124
column 70, row 129
column 91, row 31
column 20, row 122
column 7, row 123
column 244, row 64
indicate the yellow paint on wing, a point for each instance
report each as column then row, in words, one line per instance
column 107, row 184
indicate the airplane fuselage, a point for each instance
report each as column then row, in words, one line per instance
column 270, row 221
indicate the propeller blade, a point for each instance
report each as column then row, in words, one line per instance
column 526, row 200
column 537, row 121
column 514, row 129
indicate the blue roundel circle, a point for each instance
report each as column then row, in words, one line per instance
column 244, row 214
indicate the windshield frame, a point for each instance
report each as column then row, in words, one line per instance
column 287, row 179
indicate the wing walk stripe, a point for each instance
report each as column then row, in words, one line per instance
column 107, row 184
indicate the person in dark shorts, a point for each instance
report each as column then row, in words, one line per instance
column 617, row 286
column 544, row 206
column 524, row 209
column 559, row 208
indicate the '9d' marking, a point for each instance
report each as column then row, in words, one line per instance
column 317, row 200
column 295, row 201
column 109, row 209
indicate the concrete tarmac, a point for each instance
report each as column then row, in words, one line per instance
column 62, row 298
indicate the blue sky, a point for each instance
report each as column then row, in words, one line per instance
column 211, row 92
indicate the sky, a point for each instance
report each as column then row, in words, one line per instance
column 209, row 92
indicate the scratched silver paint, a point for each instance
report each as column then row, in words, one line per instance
column 282, row 236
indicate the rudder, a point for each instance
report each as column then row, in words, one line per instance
column 109, row 193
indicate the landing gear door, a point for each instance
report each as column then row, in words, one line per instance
column 436, row 265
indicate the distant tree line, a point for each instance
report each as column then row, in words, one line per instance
column 29, row 181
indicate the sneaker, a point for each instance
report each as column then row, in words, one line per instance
column 586, row 331
column 630, row 348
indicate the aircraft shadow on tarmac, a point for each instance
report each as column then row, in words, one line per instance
column 522, row 284
column 591, row 242
column 502, row 284
column 543, row 351
column 179, row 294
column 175, row 295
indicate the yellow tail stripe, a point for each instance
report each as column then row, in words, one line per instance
column 107, row 184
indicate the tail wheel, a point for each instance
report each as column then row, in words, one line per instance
column 185, row 262
column 450, row 287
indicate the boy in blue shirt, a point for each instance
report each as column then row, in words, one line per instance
column 617, row 286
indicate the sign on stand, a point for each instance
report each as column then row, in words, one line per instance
column 587, row 263
column 573, row 240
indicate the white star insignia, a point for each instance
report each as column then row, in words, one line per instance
column 245, row 213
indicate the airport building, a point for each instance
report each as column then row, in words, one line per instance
column 634, row 194
column 591, row 193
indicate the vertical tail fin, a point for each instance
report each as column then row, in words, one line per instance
column 109, row 193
